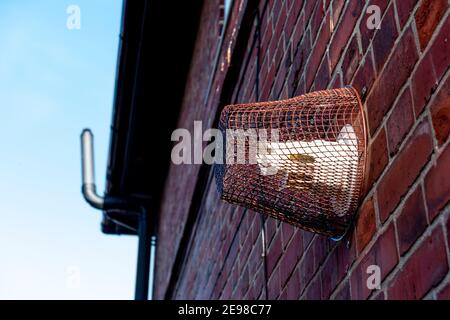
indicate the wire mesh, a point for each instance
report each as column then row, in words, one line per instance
column 300, row 160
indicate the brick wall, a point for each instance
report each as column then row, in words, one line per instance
column 210, row 249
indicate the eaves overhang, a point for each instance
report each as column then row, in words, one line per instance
column 155, row 51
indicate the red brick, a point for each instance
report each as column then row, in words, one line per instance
column 308, row 9
column 298, row 64
column 337, row 9
column 427, row 18
column 231, row 255
column 242, row 285
column 287, row 232
column 244, row 227
column 336, row 267
column 378, row 157
column 364, row 77
column 379, row 296
column 274, row 45
column 383, row 254
column 258, row 285
column 440, row 113
column 329, row 275
column 346, row 255
column 314, row 291
column 439, row 50
column 344, row 292
column 400, row 121
column 358, row 278
column 317, row 53
column 273, row 287
column 232, row 266
column 351, row 60
column 385, row 38
column 290, row 258
column 437, row 184
column 295, row 7
column 274, row 253
column 366, row 33
column 278, row 85
column 404, row 9
column 307, row 267
column 271, row 227
column 387, row 86
column 298, row 32
column 277, row 9
column 234, row 275
column 266, row 37
column 301, row 87
column 226, row 293
column 267, row 83
column 448, row 231
column 245, row 252
column 266, row 23
column 366, row 225
column 318, row 15
column 320, row 251
column 423, row 270
column 323, row 75
column 290, row 24
column 344, row 30
column 279, row 53
column 337, row 82
column 444, row 294
column 283, row 295
column 412, row 221
column 384, row 251
column 405, row 169
column 255, row 229
column 293, row 286
column 313, row 258
column 423, row 84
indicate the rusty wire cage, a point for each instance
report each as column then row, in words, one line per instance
column 300, row 160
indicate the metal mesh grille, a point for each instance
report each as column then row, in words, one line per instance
column 307, row 165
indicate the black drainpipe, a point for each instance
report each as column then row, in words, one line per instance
column 147, row 243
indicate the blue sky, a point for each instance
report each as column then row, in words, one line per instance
column 53, row 83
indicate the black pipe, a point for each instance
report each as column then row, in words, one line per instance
column 143, row 260
column 117, row 203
